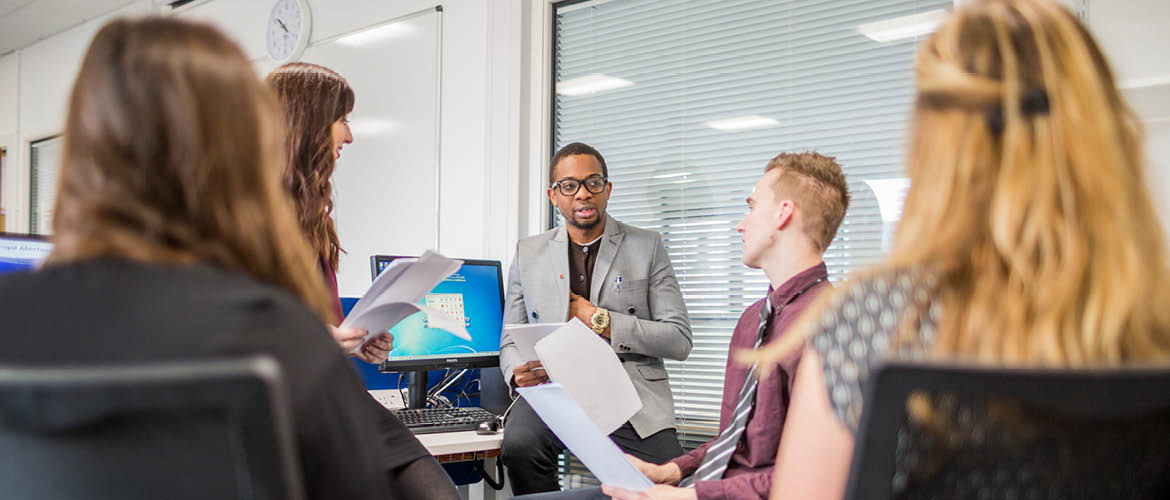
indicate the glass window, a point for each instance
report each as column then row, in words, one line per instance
column 44, row 166
column 689, row 99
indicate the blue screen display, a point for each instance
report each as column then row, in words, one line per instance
column 21, row 254
column 472, row 292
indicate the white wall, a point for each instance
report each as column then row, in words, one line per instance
column 35, row 83
column 1135, row 38
column 494, row 99
column 479, row 135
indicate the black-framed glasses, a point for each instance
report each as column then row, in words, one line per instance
column 569, row 186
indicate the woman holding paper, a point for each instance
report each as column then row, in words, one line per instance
column 174, row 240
column 316, row 102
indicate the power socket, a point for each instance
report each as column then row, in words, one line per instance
column 390, row 398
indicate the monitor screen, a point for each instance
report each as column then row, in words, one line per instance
column 22, row 252
column 474, row 293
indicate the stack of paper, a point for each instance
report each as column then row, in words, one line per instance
column 597, row 451
column 397, row 292
column 585, row 365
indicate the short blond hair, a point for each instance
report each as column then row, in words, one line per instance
column 817, row 184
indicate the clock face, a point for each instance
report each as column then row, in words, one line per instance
column 287, row 31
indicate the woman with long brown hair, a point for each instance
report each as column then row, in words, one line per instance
column 1028, row 238
column 316, row 102
column 175, row 239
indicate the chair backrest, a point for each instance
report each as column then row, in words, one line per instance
column 193, row 429
column 1064, row 419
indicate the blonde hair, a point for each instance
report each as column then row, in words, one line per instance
column 1028, row 200
column 172, row 155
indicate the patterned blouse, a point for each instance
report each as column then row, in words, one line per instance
column 1029, row 457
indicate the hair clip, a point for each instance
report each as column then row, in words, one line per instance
column 1032, row 102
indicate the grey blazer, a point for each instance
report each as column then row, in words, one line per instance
column 648, row 320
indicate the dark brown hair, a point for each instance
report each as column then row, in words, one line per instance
column 575, row 148
column 313, row 98
column 172, row 150
column 818, row 186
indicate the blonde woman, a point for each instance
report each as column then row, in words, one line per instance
column 1028, row 238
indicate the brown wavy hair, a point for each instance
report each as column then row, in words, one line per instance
column 171, row 155
column 312, row 97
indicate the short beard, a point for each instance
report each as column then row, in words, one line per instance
column 586, row 226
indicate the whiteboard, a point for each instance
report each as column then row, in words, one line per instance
column 385, row 186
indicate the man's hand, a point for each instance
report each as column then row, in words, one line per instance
column 667, row 473
column 377, row 349
column 581, row 309
column 658, row 492
column 529, row 374
column 348, row 338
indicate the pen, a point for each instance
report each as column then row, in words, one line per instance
column 617, row 284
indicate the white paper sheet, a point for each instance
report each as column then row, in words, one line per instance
column 586, row 366
column 396, row 293
column 561, row 413
column 527, row 335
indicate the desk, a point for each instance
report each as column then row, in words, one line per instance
column 465, row 446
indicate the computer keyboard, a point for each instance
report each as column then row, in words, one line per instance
column 432, row 420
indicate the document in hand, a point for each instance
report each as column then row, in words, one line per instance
column 561, row 413
column 586, row 366
column 396, row 293
column 526, row 335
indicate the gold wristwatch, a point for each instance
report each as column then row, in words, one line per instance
column 599, row 321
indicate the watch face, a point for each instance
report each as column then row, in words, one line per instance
column 285, row 29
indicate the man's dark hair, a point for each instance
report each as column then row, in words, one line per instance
column 575, row 148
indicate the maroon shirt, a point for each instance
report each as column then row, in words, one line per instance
column 749, row 473
column 331, row 282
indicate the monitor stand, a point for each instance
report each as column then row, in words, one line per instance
column 417, row 389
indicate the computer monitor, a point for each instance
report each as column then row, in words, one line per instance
column 22, row 252
column 476, row 293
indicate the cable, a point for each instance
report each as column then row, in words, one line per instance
column 478, row 466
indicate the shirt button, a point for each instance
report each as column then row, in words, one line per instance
column 631, row 310
column 535, row 315
column 580, row 277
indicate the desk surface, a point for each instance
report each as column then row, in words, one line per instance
column 446, row 443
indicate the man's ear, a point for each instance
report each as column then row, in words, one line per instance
column 552, row 197
column 785, row 213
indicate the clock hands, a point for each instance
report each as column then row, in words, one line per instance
column 282, row 26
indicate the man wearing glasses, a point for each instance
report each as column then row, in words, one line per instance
column 613, row 277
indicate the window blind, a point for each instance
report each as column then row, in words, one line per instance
column 44, row 166
column 805, row 72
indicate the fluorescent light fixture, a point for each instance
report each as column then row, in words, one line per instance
column 371, row 126
column 668, row 176
column 1141, row 83
column 903, row 27
column 743, row 123
column 375, row 35
column 590, row 84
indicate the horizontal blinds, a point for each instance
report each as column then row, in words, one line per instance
column 802, row 63
column 44, row 167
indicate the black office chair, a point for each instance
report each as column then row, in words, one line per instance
column 1013, row 433
column 199, row 429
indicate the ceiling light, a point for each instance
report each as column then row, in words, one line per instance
column 903, row 27
column 743, row 123
column 668, row 176
column 590, row 84
column 374, row 35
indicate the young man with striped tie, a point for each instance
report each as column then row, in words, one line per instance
column 793, row 214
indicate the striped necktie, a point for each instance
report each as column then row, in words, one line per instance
column 715, row 461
